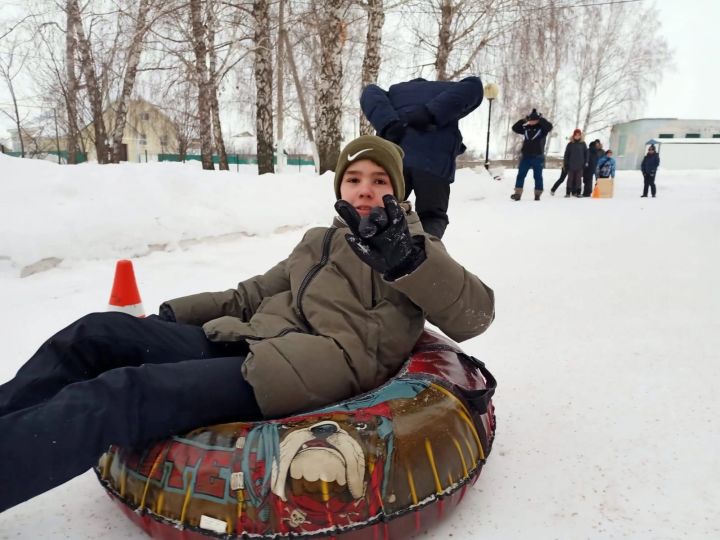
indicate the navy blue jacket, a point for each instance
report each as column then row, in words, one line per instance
column 533, row 136
column 594, row 154
column 433, row 150
column 650, row 163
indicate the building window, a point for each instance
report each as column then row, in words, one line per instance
column 692, row 135
column 622, row 143
column 145, row 116
column 142, row 140
column 666, row 136
column 716, row 136
column 164, row 140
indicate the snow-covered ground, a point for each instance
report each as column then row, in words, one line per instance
column 606, row 344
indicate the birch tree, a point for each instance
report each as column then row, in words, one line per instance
column 92, row 84
column 372, row 57
column 462, row 30
column 201, row 73
column 133, row 60
column 612, row 75
column 10, row 68
column 71, row 89
column 263, row 87
column 329, row 97
column 213, row 83
column 533, row 62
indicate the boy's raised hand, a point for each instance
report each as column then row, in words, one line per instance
column 382, row 239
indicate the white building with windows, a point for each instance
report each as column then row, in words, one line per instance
column 682, row 144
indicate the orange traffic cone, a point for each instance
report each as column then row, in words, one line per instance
column 596, row 192
column 125, row 296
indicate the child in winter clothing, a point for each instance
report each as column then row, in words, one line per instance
column 336, row 318
column 606, row 166
column 534, row 129
column 575, row 160
column 649, row 166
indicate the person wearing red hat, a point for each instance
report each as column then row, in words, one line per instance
column 575, row 161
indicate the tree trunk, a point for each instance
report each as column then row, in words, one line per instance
column 91, row 85
column 299, row 89
column 444, row 46
column 17, row 113
column 134, row 52
column 280, row 108
column 213, row 90
column 263, row 87
column 201, row 75
column 301, row 99
column 372, row 59
column 72, row 90
column 329, row 114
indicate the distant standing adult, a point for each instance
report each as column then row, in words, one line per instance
column 534, row 129
column 649, row 166
column 575, row 161
column 422, row 117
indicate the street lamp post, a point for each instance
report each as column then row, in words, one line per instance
column 491, row 91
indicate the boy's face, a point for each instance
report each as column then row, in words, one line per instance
column 364, row 184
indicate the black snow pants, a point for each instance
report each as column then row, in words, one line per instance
column 559, row 181
column 649, row 180
column 110, row 378
column 588, row 182
column 432, row 197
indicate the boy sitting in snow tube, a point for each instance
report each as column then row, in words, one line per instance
column 338, row 317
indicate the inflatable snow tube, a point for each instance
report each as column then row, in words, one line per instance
column 380, row 465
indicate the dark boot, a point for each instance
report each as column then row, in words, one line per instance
column 538, row 192
column 518, row 193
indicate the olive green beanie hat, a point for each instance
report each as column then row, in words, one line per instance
column 386, row 154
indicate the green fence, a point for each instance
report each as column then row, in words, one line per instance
column 236, row 159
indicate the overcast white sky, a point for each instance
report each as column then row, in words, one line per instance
column 689, row 90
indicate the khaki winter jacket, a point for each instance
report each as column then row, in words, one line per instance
column 323, row 326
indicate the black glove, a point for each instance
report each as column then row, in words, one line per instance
column 166, row 313
column 420, row 118
column 394, row 131
column 382, row 239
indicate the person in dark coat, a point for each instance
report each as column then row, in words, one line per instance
column 575, row 161
column 649, row 166
column 534, row 129
column 594, row 153
column 422, row 117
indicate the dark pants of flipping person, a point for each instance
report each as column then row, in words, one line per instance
column 110, row 378
column 432, row 197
